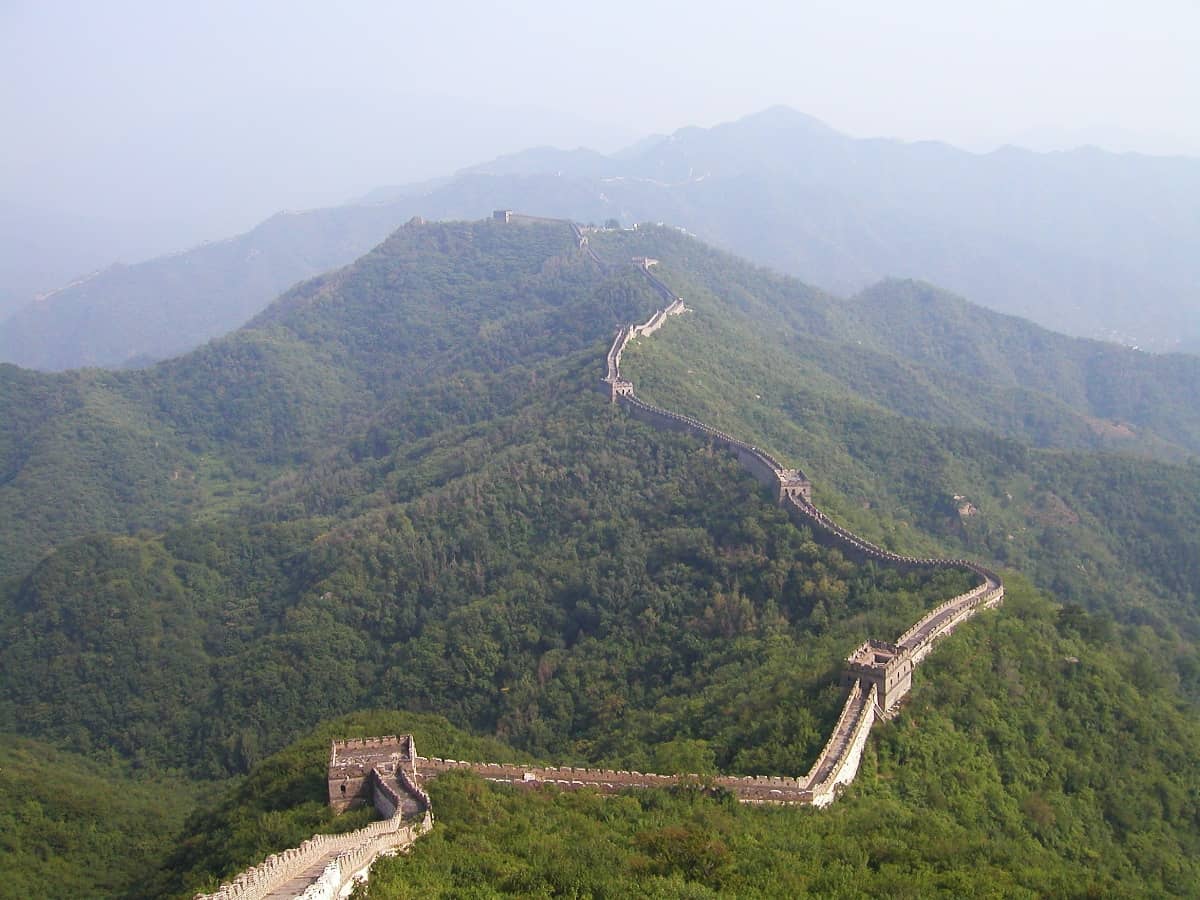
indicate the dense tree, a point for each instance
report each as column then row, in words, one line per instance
column 400, row 489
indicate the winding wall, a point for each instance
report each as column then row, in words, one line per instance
column 877, row 676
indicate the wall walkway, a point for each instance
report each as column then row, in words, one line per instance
column 325, row 866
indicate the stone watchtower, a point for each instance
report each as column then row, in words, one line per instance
column 356, row 767
column 621, row 388
column 882, row 664
column 792, row 483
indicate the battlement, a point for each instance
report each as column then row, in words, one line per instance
column 389, row 741
column 354, row 762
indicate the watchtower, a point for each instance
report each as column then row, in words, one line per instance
column 502, row 215
column 352, row 762
column 621, row 388
column 882, row 664
column 792, row 483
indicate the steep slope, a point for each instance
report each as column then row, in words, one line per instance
column 916, row 350
column 1050, row 512
column 502, row 572
column 74, row 827
column 1126, row 388
column 115, row 451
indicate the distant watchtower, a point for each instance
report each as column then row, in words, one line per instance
column 502, row 215
column 621, row 388
column 792, row 483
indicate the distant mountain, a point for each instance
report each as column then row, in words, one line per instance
column 546, row 160
column 134, row 314
column 1085, row 242
column 80, row 245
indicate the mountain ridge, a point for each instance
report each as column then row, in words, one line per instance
column 1085, row 243
column 409, row 492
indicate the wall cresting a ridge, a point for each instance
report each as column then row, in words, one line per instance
column 387, row 772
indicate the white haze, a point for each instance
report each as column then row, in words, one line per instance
column 136, row 128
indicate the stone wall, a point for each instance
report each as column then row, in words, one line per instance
column 749, row 788
column 355, row 863
column 353, row 762
column 845, row 765
column 879, row 674
column 385, row 798
column 347, row 855
column 379, row 771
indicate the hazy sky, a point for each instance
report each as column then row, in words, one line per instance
column 173, row 121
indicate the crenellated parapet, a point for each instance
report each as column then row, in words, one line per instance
column 324, row 865
column 879, row 673
column 353, row 763
column 615, row 384
column 379, row 771
column 849, row 739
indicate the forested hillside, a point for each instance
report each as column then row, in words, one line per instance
column 917, row 351
column 72, row 826
column 98, row 450
column 399, row 489
column 886, row 444
column 1021, row 768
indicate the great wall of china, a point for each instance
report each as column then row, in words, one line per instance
column 388, row 774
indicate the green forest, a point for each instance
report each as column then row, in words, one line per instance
column 396, row 502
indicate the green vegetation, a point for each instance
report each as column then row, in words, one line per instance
column 1111, row 532
column 282, row 802
column 105, row 451
column 1021, row 767
column 72, row 827
column 566, row 579
column 914, row 350
column 399, row 489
